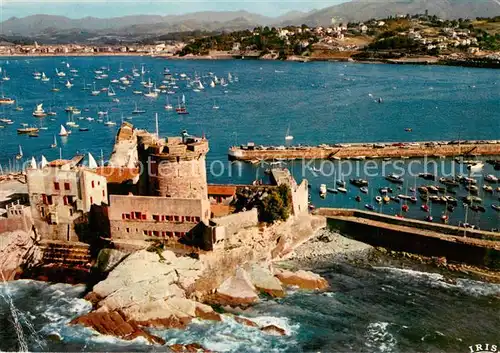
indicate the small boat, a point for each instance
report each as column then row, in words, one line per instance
column 363, row 189
column 405, row 208
column 322, row 189
column 60, row 73
column 68, row 84
column 6, row 101
column 476, row 167
column 45, row 78
column 54, row 144
column 332, row 190
column 63, row 131
column 490, row 178
column 425, row 207
column 168, row 106
column 378, row 199
column 358, row 198
column 488, row 188
column 83, row 129
column 369, row 207
column 288, row 137
column 359, row 182
column 408, row 129
column 429, row 218
column 496, row 207
column 427, row 176
column 398, row 179
column 19, row 155
column 27, row 130
column 39, row 112
column 137, row 111
column 395, row 199
column 342, row 189
column 95, row 92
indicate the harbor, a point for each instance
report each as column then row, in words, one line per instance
column 359, row 151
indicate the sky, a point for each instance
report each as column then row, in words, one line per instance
column 114, row 8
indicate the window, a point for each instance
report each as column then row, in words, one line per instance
column 145, row 232
column 124, row 215
column 93, row 184
column 143, row 217
column 156, row 218
column 156, row 233
column 176, row 218
column 128, row 230
column 49, row 200
column 42, row 211
column 137, row 215
column 127, row 216
column 56, row 186
column 65, row 200
column 67, row 186
column 91, row 200
column 170, row 234
column 71, row 212
column 44, row 199
column 103, row 193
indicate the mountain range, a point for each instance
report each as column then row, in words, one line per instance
column 50, row 28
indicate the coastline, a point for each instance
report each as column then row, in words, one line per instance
column 435, row 61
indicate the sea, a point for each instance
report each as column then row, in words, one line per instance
column 376, row 308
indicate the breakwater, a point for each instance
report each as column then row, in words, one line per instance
column 478, row 248
column 366, row 150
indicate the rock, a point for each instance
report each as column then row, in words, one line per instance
column 108, row 259
column 54, row 337
column 326, row 237
column 188, row 348
column 245, row 321
column 237, row 290
column 16, row 250
column 206, row 312
column 273, row 330
column 265, row 282
column 301, row 279
column 114, row 324
column 93, row 298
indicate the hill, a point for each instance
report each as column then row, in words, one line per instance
column 362, row 10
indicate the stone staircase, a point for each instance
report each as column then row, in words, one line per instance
column 65, row 253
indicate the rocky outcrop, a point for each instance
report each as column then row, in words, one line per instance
column 264, row 281
column 237, row 290
column 114, row 324
column 245, row 321
column 188, row 348
column 108, row 259
column 301, row 279
column 273, row 330
column 16, row 250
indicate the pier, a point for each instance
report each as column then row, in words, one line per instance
column 253, row 153
column 474, row 247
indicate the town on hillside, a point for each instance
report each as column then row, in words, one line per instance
column 410, row 38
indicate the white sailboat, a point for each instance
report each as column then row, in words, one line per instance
column 54, row 144
column 44, row 162
column 151, row 94
column 95, row 92
column 109, row 122
column 92, row 162
column 60, row 73
column 19, row 155
column 215, row 106
column 212, row 84
column 111, row 92
column 45, row 78
column 288, row 137
column 68, row 84
column 39, row 112
column 64, row 132
column 168, row 106
column 229, row 77
column 33, row 163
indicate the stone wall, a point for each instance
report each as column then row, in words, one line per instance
column 237, row 221
column 300, row 198
column 154, row 217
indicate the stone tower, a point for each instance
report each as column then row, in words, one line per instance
column 176, row 166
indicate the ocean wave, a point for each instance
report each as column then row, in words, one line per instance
column 378, row 338
column 466, row 286
column 231, row 336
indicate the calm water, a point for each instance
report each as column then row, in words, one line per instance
column 319, row 102
column 379, row 309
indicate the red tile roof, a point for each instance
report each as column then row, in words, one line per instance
column 117, row 175
column 222, row 190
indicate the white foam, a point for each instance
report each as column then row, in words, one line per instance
column 467, row 286
column 378, row 338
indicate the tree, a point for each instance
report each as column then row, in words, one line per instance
column 276, row 206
